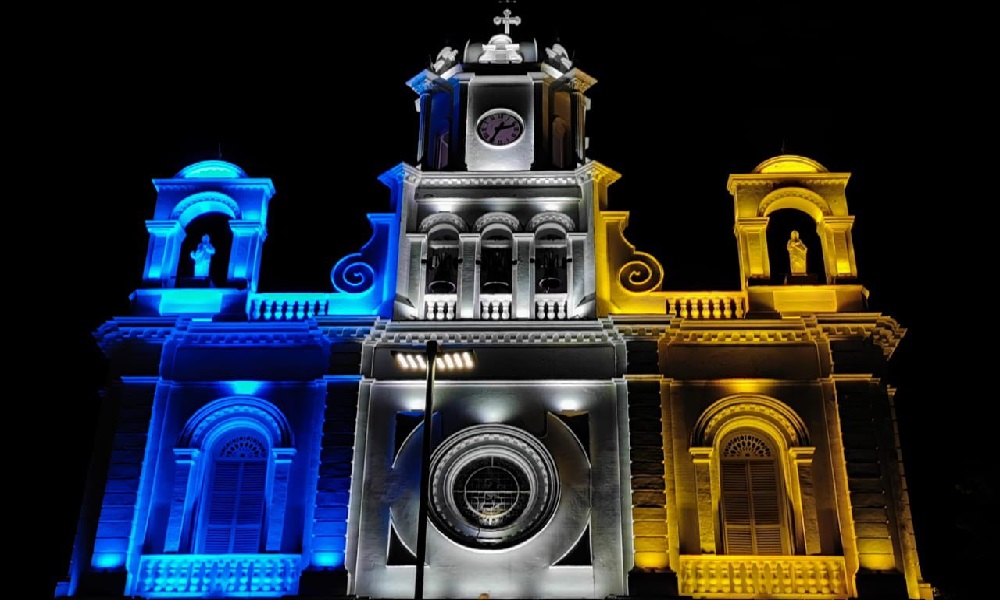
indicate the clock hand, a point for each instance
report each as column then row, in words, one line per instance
column 498, row 129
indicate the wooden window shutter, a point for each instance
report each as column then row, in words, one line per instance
column 236, row 499
column 751, row 512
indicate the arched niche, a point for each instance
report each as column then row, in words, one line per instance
column 496, row 256
column 200, row 196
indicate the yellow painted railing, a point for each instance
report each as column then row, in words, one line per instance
column 713, row 576
column 706, row 305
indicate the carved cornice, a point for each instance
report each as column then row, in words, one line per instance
column 887, row 335
column 428, row 81
column 494, row 178
column 348, row 333
column 195, row 185
column 598, row 172
column 576, row 80
column 771, row 179
column 640, row 330
column 115, row 332
column 248, row 338
column 885, row 332
column 394, row 176
column 741, row 337
column 497, row 337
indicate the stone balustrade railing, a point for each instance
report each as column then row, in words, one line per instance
column 798, row 577
column 707, row 305
column 217, row 575
column 287, row 307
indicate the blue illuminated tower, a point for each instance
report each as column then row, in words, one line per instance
column 590, row 434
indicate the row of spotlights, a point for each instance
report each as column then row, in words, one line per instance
column 446, row 361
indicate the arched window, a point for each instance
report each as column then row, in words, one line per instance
column 496, row 262
column 751, row 496
column 551, row 261
column 235, row 495
column 442, row 261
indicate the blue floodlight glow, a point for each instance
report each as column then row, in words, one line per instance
column 245, row 388
column 210, row 169
column 328, row 559
column 108, row 560
column 195, row 300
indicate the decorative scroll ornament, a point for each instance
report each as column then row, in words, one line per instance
column 641, row 274
column 351, row 275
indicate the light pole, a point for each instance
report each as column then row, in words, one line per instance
column 425, row 465
column 430, row 360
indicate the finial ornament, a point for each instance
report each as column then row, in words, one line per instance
column 506, row 20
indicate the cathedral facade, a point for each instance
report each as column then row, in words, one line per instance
column 497, row 398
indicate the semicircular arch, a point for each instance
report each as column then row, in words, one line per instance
column 797, row 198
column 204, row 203
column 236, row 411
column 758, row 411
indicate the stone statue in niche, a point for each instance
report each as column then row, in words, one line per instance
column 796, row 254
column 202, row 257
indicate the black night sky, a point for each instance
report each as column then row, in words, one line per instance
column 318, row 102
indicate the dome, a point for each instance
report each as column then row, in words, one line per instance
column 789, row 163
column 211, row 169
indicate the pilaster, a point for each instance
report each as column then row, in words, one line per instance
column 702, row 457
column 839, row 250
column 802, row 459
column 165, row 237
column 279, row 497
column 244, row 257
column 185, row 462
column 751, row 238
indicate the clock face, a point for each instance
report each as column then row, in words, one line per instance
column 500, row 127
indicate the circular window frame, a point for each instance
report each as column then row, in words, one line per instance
column 517, row 449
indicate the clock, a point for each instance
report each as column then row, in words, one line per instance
column 500, row 127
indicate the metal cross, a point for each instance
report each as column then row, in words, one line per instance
column 507, row 21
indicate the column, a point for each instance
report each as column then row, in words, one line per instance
column 244, row 258
column 523, row 294
column 468, row 283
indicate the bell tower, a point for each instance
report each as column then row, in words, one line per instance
column 502, row 106
column 497, row 213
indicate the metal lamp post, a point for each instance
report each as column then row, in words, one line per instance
column 430, row 360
